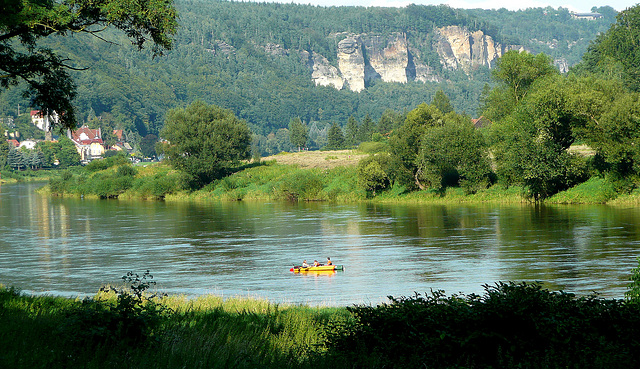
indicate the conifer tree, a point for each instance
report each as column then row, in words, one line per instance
column 335, row 138
column 351, row 133
column 298, row 133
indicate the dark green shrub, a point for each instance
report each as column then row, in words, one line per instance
column 134, row 318
column 510, row 326
column 126, row 170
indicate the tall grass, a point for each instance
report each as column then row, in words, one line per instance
column 207, row 332
column 594, row 191
column 12, row 176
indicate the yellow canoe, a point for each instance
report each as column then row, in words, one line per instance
column 321, row 268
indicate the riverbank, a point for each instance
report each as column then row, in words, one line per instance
column 172, row 332
column 510, row 325
column 11, row 176
column 329, row 176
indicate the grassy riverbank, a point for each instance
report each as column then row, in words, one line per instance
column 509, row 326
column 306, row 176
column 55, row 332
column 13, row 176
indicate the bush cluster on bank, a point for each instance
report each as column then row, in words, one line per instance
column 510, row 326
column 115, row 177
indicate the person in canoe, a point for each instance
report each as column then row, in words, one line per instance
column 315, row 263
column 329, row 262
column 304, row 264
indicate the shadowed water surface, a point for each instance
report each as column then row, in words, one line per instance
column 72, row 246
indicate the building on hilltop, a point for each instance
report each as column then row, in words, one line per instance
column 587, row 16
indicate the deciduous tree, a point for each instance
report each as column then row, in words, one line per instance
column 454, row 154
column 205, row 141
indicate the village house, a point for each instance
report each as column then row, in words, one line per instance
column 29, row 144
column 481, row 122
column 43, row 122
column 88, row 143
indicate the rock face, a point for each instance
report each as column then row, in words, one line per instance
column 460, row 49
column 322, row 72
column 363, row 58
column 388, row 57
column 351, row 62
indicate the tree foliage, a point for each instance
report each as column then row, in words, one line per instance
column 205, row 141
column 335, row 138
column 24, row 23
column 454, row 154
column 373, row 173
column 442, row 102
column 245, row 56
column 615, row 54
column 515, row 73
column 405, row 142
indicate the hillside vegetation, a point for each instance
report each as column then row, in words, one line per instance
column 221, row 56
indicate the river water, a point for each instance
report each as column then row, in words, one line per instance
column 71, row 247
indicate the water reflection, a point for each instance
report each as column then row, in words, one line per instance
column 72, row 246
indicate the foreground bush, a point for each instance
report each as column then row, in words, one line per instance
column 510, row 326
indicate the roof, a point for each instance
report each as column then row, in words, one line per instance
column 14, row 142
column 481, row 122
column 86, row 136
column 118, row 134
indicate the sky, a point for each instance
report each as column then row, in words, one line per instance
column 581, row 6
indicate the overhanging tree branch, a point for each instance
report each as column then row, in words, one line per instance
column 24, row 22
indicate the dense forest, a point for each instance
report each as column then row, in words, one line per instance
column 221, row 57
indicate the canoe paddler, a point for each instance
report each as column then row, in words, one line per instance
column 329, row 262
column 304, row 264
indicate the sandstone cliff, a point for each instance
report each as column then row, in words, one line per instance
column 351, row 62
column 460, row 49
column 362, row 58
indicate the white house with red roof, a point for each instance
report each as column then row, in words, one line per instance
column 42, row 121
column 88, row 143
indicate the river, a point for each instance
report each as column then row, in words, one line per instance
column 71, row 247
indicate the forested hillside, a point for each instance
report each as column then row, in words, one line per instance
column 253, row 58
